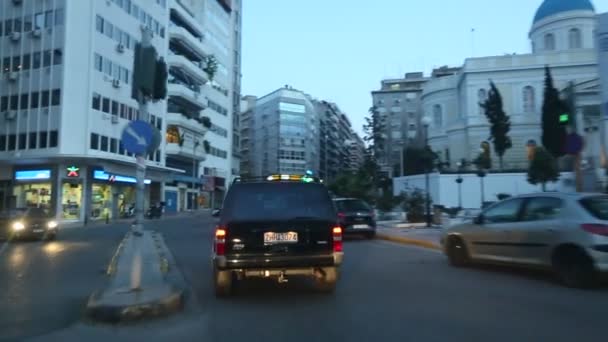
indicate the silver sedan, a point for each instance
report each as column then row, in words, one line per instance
column 565, row 232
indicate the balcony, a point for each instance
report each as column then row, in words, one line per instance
column 186, row 151
column 186, row 40
column 186, row 96
column 182, row 15
column 180, row 120
column 188, row 67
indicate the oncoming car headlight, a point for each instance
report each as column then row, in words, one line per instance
column 18, row 226
column 52, row 224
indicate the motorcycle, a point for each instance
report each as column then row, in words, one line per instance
column 154, row 211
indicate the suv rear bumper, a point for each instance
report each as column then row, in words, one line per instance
column 284, row 262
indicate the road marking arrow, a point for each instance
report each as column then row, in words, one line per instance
column 140, row 140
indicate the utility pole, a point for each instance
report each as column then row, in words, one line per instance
column 194, row 197
column 146, row 38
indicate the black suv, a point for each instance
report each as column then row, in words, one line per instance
column 356, row 216
column 279, row 226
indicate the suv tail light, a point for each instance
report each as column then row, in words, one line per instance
column 220, row 241
column 594, row 228
column 337, row 239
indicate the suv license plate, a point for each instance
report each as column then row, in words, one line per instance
column 289, row 237
column 360, row 226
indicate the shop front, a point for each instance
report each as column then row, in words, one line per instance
column 34, row 188
column 112, row 195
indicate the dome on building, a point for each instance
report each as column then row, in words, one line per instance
column 552, row 7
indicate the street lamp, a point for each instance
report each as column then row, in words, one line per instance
column 481, row 173
column 194, row 197
column 460, row 165
column 426, row 121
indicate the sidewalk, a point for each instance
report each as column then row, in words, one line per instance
column 412, row 235
column 102, row 222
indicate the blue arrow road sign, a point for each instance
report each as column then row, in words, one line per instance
column 137, row 136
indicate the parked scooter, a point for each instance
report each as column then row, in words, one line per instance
column 154, row 211
column 130, row 212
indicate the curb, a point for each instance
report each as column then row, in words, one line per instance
column 132, row 307
column 408, row 241
column 170, row 304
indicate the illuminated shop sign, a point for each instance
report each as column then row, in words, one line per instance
column 102, row 175
column 33, row 174
column 73, row 171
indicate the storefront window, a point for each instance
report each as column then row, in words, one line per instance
column 173, row 136
column 101, row 201
column 71, row 200
column 36, row 195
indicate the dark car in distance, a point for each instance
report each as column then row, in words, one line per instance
column 27, row 223
column 356, row 216
column 277, row 227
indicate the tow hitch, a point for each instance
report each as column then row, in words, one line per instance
column 282, row 279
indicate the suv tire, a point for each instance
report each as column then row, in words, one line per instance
column 457, row 253
column 327, row 283
column 223, row 283
column 574, row 267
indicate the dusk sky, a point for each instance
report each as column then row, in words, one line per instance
column 339, row 50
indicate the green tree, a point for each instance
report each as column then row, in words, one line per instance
column 554, row 134
column 419, row 160
column 374, row 132
column 500, row 124
column 413, row 204
column 543, row 168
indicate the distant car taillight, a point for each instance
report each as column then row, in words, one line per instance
column 337, row 239
column 220, row 241
column 594, row 228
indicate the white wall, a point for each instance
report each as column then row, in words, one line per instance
column 444, row 189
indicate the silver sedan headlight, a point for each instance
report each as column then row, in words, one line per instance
column 17, row 226
column 52, row 224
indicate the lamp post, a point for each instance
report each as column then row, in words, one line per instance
column 459, row 180
column 481, row 173
column 194, row 197
column 426, row 121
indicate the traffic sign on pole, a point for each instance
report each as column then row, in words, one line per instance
column 137, row 137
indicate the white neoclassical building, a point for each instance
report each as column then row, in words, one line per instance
column 562, row 36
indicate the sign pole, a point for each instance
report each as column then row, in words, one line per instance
column 140, row 165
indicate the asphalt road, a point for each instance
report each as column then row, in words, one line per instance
column 45, row 285
column 387, row 292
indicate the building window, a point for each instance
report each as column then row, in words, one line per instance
column 53, row 139
column 42, row 140
column 32, row 140
column 574, row 38
column 94, row 141
column 173, row 136
column 482, row 96
column 96, row 101
column 105, row 105
column 528, row 99
column 549, row 42
column 438, row 115
column 104, row 143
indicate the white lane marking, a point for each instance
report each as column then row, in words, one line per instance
column 395, row 244
column 3, row 247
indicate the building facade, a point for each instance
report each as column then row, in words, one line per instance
column 287, row 131
column 335, row 140
column 561, row 37
column 398, row 101
column 65, row 97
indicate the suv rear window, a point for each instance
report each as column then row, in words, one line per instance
column 277, row 201
column 352, row 205
column 596, row 206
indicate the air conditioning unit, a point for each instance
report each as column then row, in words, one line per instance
column 114, row 119
column 10, row 115
column 37, row 33
column 116, row 83
column 15, row 36
column 13, row 76
column 120, row 48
